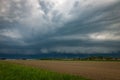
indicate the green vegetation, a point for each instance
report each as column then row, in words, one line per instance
column 9, row 71
column 99, row 58
column 92, row 58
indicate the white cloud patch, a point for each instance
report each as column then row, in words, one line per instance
column 105, row 36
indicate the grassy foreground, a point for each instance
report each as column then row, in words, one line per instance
column 9, row 71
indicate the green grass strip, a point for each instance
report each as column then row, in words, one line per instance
column 9, row 71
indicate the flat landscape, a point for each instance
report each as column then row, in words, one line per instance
column 11, row 71
column 95, row 70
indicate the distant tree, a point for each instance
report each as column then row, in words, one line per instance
column 2, row 58
column 109, row 58
column 115, row 58
column 24, row 59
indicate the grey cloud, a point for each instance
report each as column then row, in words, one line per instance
column 46, row 6
column 68, row 25
column 83, row 50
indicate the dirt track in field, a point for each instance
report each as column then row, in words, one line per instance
column 90, row 69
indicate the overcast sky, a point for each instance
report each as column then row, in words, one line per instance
column 65, row 26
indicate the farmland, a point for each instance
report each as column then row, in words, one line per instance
column 95, row 70
column 9, row 71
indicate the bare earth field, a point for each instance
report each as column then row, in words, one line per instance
column 94, row 70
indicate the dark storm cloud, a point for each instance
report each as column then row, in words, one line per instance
column 78, row 26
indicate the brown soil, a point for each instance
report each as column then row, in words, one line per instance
column 91, row 69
